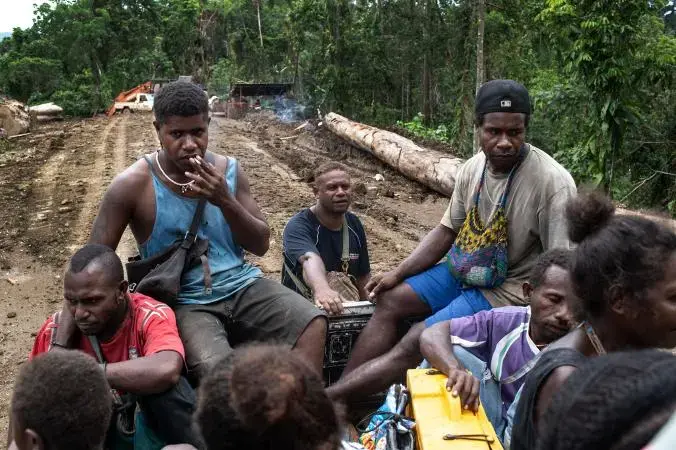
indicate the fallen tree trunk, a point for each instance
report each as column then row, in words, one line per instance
column 434, row 169
column 46, row 112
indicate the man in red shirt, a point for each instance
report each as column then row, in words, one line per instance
column 135, row 340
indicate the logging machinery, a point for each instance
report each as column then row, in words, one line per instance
column 126, row 99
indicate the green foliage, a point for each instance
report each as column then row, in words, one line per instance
column 417, row 128
column 600, row 72
column 82, row 52
column 26, row 75
column 81, row 96
column 610, row 50
column 223, row 75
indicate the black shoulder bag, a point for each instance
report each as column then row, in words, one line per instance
column 159, row 276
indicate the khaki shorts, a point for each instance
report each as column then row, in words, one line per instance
column 263, row 311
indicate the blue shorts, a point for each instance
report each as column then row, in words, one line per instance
column 445, row 295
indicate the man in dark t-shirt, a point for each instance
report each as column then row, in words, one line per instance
column 313, row 241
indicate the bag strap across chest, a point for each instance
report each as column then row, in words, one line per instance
column 344, row 262
column 503, row 199
column 345, row 257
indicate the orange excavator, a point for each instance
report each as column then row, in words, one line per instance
column 145, row 88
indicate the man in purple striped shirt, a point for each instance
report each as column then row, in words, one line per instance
column 486, row 356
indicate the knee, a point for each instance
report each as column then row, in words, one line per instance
column 390, row 307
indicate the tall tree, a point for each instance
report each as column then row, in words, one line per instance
column 257, row 4
column 480, row 63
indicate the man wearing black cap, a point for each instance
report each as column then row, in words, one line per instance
column 507, row 208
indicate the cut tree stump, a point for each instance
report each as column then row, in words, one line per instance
column 432, row 168
column 14, row 117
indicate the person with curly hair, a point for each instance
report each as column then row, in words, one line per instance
column 624, row 274
column 487, row 356
column 265, row 397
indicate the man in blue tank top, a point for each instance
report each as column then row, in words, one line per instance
column 226, row 301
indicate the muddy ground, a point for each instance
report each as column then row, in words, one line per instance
column 51, row 183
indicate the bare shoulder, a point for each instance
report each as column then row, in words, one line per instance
column 132, row 178
column 220, row 161
column 550, row 387
column 573, row 340
column 557, row 378
column 126, row 187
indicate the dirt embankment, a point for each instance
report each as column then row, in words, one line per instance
column 396, row 212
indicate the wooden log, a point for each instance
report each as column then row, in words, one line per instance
column 432, row 168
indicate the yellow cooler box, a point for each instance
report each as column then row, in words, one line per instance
column 441, row 423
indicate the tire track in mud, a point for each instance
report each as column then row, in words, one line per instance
column 127, row 246
column 275, row 187
column 62, row 194
column 127, row 141
column 65, row 192
column 139, row 138
column 98, row 180
column 45, row 190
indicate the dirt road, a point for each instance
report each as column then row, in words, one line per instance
column 51, row 183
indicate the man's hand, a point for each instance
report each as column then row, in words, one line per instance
column 465, row 385
column 208, row 183
column 65, row 329
column 381, row 282
column 329, row 300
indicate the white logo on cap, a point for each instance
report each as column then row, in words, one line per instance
column 505, row 103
